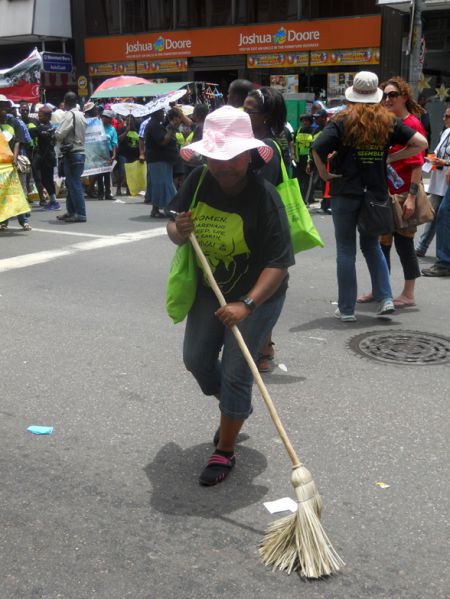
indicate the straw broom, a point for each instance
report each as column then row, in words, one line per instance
column 298, row 541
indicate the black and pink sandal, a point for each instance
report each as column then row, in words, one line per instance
column 217, row 469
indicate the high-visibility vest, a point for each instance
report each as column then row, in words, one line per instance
column 181, row 140
column 303, row 142
column 34, row 141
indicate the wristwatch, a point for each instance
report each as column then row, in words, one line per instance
column 248, row 302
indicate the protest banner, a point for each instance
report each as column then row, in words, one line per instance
column 98, row 159
column 23, row 80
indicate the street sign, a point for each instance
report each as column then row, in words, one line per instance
column 82, row 81
column 54, row 62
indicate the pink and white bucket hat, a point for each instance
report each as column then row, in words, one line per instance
column 227, row 132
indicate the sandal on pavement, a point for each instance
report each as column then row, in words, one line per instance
column 264, row 363
column 365, row 299
column 217, row 469
column 400, row 303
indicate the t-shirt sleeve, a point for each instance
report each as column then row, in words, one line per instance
column 275, row 239
column 114, row 138
column 19, row 133
column 142, row 128
column 401, row 134
column 328, row 141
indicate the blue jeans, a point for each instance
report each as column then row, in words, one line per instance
column 148, row 199
column 73, row 169
column 229, row 377
column 429, row 229
column 443, row 232
column 345, row 213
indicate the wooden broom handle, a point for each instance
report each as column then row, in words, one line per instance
column 247, row 355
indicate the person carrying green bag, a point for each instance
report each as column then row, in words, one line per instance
column 241, row 226
column 267, row 111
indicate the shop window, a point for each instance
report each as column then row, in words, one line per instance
column 102, row 17
column 133, row 15
column 203, row 13
column 264, row 11
column 312, row 9
column 159, row 15
column 435, row 31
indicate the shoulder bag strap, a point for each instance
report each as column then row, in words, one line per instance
column 284, row 173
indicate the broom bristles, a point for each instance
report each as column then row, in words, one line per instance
column 298, row 541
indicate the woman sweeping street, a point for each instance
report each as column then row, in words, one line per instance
column 361, row 136
column 241, row 226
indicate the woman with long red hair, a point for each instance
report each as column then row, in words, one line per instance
column 361, row 136
column 404, row 178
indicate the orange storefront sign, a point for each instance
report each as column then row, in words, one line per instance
column 323, row 34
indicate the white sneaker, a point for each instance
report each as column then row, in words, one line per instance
column 386, row 307
column 344, row 317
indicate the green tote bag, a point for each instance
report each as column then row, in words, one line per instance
column 182, row 279
column 304, row 234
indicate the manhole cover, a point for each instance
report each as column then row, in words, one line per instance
column 402, row 347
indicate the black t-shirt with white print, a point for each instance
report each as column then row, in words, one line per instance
column 240, row 235
column 359, row 167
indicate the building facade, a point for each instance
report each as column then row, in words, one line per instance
column 41, row 24
column 309, row 45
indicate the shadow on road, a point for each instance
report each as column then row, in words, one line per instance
column 145, row 218
column 330, row 323
column 174, row 473
column 272, row 378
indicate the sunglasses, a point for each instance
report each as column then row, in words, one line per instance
column 391, row 95
column 250, row 112
column 446, row 116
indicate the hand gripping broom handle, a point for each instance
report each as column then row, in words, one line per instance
column 248, row 357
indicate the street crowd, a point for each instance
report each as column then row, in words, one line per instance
column 216, row 173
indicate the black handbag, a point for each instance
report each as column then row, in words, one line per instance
column 376, row 216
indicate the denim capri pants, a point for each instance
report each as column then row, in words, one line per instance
column 228, row 377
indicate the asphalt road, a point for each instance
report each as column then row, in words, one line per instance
column 109, row 506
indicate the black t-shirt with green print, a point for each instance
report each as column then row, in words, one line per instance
column 359, row 167
column 240, row 235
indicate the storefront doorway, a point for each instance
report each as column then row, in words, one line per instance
column 222, row 78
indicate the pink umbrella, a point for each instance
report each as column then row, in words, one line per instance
column 121, row 81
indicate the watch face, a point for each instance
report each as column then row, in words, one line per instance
column 249, row 303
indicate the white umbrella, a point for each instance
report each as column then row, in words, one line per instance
column 163, row 102
column 127, row 108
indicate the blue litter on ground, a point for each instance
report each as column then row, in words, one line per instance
column 40, row 430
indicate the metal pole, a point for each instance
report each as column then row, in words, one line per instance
column 415, row 66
